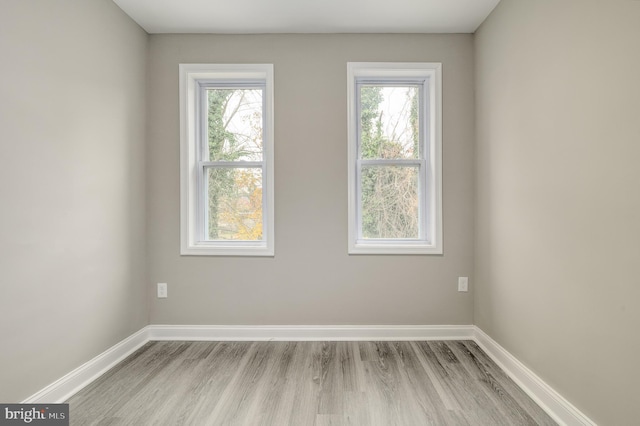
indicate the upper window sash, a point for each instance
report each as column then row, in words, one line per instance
column 201, row 102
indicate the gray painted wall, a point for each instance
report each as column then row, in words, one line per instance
column 311, row 280
column 558, row 229
column 72, row 221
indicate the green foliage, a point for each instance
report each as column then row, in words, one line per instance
column 415, row 124
column 217, row 101
column 371, row 140
column 223, row 144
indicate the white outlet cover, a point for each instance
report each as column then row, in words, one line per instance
column 463, row 284
column 162, row 290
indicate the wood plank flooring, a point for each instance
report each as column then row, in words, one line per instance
column 306, row 383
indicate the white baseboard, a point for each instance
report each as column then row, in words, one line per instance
column 65, row 387
column 302, row 333
column 561, row 410
column 551, row 401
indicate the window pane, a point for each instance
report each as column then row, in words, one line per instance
column 235, row 203
column 389, row 122
column 390, row 202
column 234, row 124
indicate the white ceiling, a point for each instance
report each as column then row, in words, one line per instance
column 308, row 16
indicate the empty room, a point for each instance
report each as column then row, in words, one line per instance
column 339, row 212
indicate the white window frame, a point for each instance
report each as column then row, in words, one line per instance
column 430, row 174
column 192, row 218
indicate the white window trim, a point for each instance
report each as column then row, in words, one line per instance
column 432, row 73
column 190, row 243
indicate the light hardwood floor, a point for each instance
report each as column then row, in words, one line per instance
column 306, row 384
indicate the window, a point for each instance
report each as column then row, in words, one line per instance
column 395, row 196
column 226, row 159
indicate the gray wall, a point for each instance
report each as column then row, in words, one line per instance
column 311, row 280
column 558, row 229
column 72, row 227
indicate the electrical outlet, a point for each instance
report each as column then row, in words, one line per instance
column 463, row 284
column 162, row 291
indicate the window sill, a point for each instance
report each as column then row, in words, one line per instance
column 392, row 249
column 226, row 250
